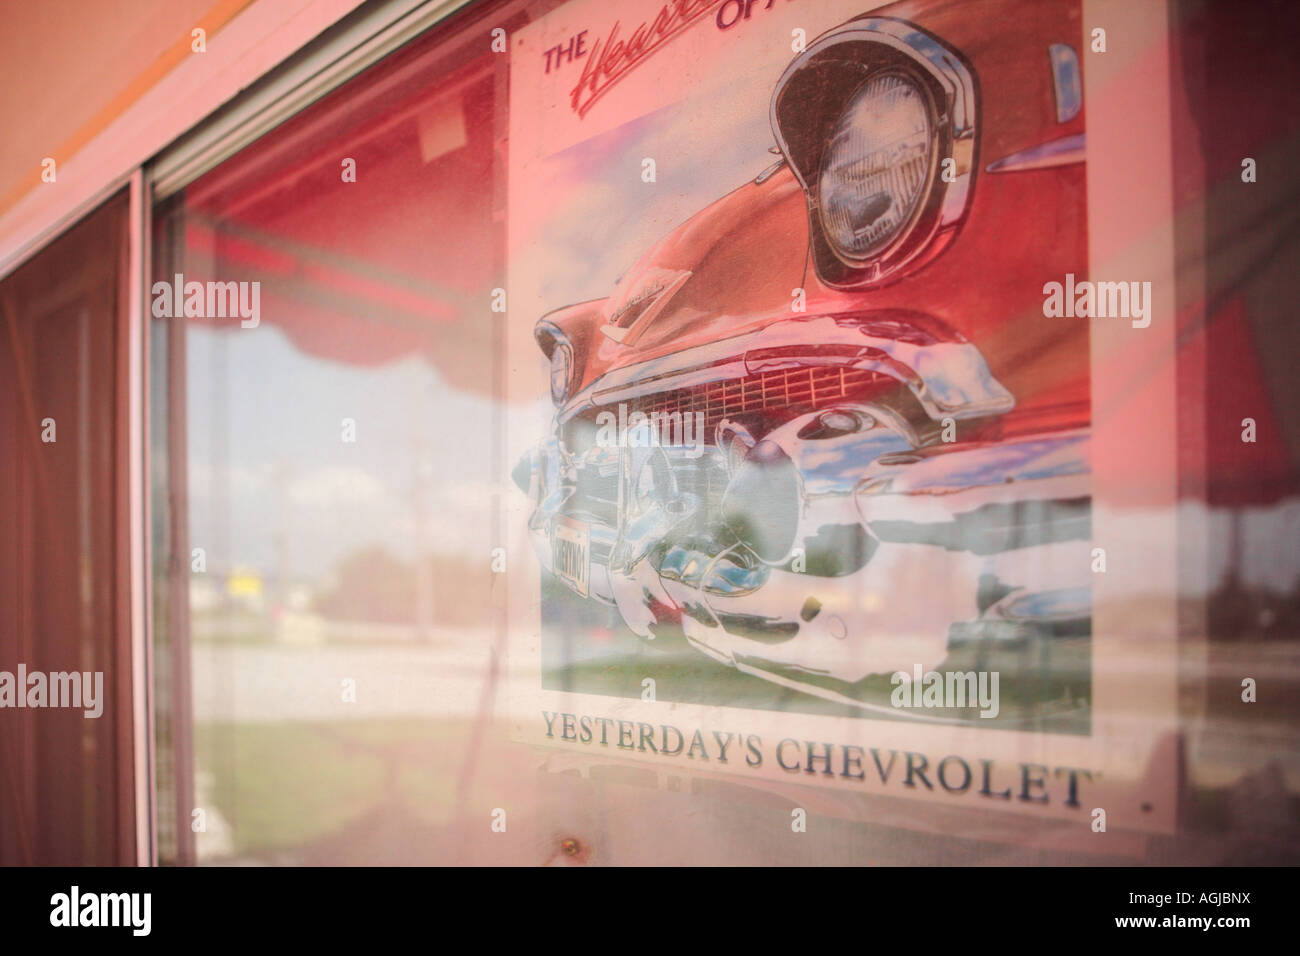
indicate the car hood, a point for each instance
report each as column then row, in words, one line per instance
column 731, row 266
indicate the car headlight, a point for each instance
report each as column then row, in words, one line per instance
column 877, row 120
column 561, row 372
column 877, row 166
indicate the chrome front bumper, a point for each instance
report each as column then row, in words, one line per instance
column 889, row 554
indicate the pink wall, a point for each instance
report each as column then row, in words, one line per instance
column 67, row 60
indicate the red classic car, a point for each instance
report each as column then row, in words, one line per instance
column 824, row 428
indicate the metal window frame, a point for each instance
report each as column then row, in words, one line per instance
column 350, row 48
column 138, row 584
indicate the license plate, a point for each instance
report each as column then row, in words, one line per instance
column 571, row 549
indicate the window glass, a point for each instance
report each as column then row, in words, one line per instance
column 336, row 426
column 626, row 433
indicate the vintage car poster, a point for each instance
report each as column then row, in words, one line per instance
column 811, row 480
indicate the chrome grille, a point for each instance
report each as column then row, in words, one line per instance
column 785, row 390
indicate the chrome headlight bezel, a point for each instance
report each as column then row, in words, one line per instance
column 813, row 94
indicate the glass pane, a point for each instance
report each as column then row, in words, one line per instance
column 332, row 434
column 602, row 437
